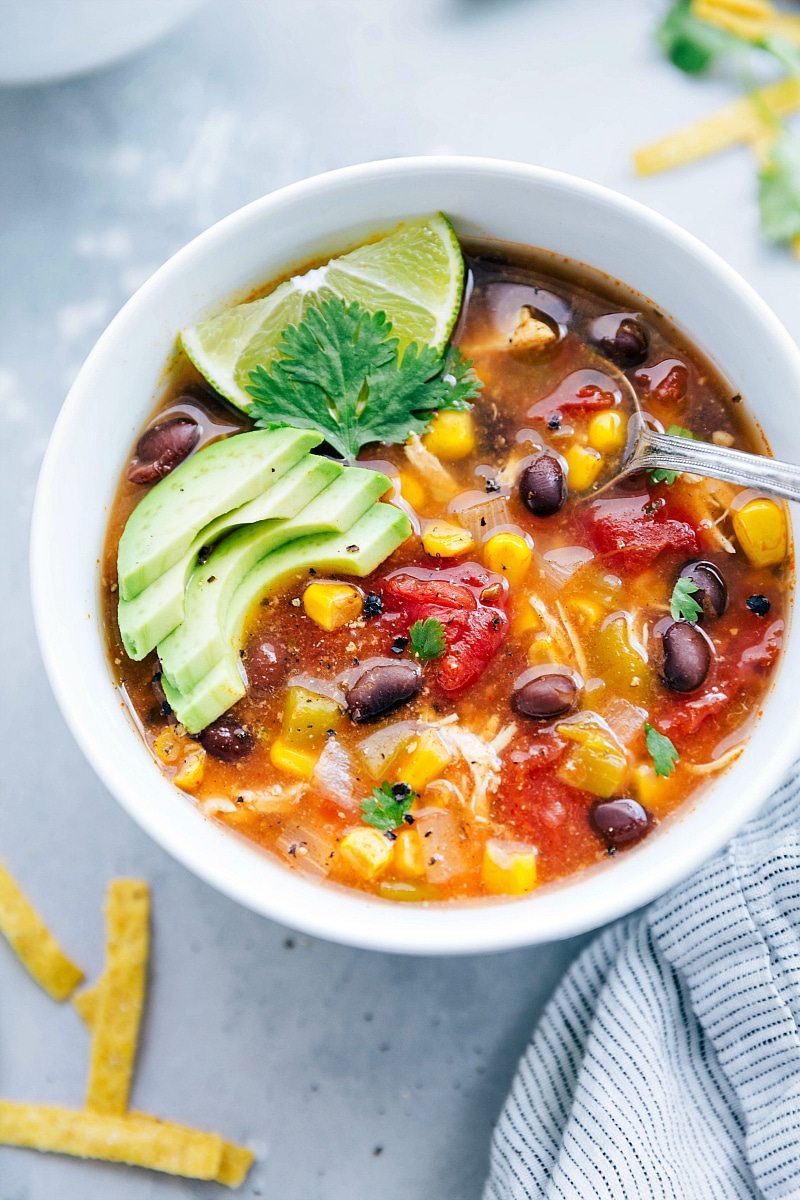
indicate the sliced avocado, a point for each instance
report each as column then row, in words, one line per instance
column 199, row 641
column 221, row 476
column 358, row 551
column 149, row 617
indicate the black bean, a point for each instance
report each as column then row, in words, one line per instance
column 758, row 604
column 547, row 696
column 686, row 657
column 619, row 822
column 227, row 739
column 542, row 486
column 621, row 337
column 162, row 448
column 712, row 590
column 265, row 666
column 382, row 688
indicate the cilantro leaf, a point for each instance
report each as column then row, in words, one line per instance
column 661, row 474
column 661, row 750
column 427, row 639
column 341, row 373
column 386, row 808
column 779, row 189
column 690, row 43
column 682, row 605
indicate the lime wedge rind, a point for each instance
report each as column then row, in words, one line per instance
column 415, row 275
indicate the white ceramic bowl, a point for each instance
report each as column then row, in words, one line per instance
column 115, row 391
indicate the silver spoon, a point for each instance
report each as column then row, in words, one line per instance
column 649, row 450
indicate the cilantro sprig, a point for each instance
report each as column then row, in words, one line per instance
column 683, row 605
column 341, row 372
column 661, row 750
column 661, row 474
column 427, row 639
column 388, row 805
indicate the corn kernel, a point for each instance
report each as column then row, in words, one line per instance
column 168, row 747
column 652, row 791
column 760, row 527
column 294, row 760
column 595, row 762
column 443, row 540
column 608, row 431
column 583, row 466
column 451, row 436
column 525, row 618
column 332, row 605
column 422, row 760
column 411, row 490
column 409, row 857
column 307, row 717
column 398, row 889
column 508, row 554
column 541, row 649
column 192, row 769
column 366, row 851
column 509, row 868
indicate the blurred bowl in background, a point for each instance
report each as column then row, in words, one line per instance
column 45, row 40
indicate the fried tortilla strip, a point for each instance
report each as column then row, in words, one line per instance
column 738, row 122
column 136, row 1139
column 86, row 1001
column 33, row 943
column 236, row 1162
column 120, row 999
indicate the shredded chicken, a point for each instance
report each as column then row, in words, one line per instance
column 531, row 334
column 717, row 764
column 551, row 624
column 212, row 805
column 438, row 480
column 277, row 798
column 575, row 641
column 482, row 759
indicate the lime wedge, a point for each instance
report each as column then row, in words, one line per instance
column 414, row 275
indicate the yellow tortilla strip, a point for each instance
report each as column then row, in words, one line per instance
column 86, row 1001
column 120, row 999
column 235, row 1164
column 739, row 122
column 33, row 943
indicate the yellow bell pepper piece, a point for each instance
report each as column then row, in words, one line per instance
column 411, row 490
column 608, row 431
column 509, row 868
column 408, row 859
column 192, row 769
column 652, row 791
column 508, row 554
column 760, row 527
column 307, row 717
column 294, row 760
column 366, row 851
column 422, row 760
column 443, row 540
column 595, row 762
column 583, row 466
column 399, row 889
column 451, row 435
column 331, row 605
column 617, row 661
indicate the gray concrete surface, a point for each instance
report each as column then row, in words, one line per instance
column 354, row 1074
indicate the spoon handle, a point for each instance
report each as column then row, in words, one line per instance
column 663, row 451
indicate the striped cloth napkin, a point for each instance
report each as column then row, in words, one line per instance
column 668, row 1062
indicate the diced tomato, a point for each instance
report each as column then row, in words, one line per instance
column 473, row 629
column 635, row 532
column 540, row 808
column 582, row 391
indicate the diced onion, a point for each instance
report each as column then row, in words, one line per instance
column 320, row 687
column 306, row 848
column 333, row 775
column 379, row 748
column 442, row 843
column 625, row 720
column 562, row 563
column 481, row 514
column 438, row 480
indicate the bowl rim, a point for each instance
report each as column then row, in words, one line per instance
column 421, row 930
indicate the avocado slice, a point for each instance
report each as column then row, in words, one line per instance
column 221, row 476
column 358, row 551
column 149, row 617
column 198, row 643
